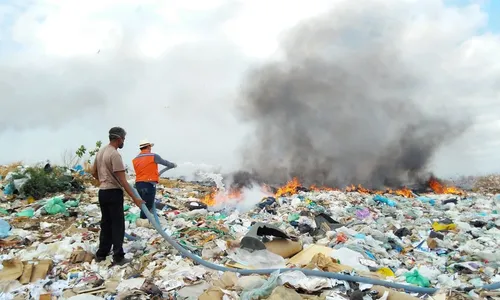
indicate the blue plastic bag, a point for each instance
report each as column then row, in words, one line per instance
column 427, row 200
column 384, row 200
column 79, row 169
column 9, row 189
column 4, row 229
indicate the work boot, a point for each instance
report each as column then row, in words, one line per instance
column 120, row 262
column 99, row 259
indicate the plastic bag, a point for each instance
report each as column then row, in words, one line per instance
column 71, row 203
column 443, row 227
column 384, row 200
column 386, row 272
column 258, row 259
column 362, row 213
column 131, row 217
column 4, row 229
column 55, row 206
column 417, row 279
column 293, row 217
column 349, row 258
column 264, row 291
column 29, row 212
column 9, row 189
column 3, row 211
column 427, row 200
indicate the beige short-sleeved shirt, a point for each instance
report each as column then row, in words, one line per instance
column 108, row 160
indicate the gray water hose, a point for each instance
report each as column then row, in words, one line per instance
column 153, row 218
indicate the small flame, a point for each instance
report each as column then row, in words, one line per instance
column 363, row 190
column 439, row 188
column 350, row 188
column 218, row 197
column 290, row 188
column 209, row 199
column 404, row 192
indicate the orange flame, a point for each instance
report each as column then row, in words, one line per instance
column 439, row 188
column 404, row 192
column 218, row 197
column 289, row 188
column 293, row 185
column 209, row 199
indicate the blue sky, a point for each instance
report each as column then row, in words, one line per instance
column 493, row 10
column 490, row 7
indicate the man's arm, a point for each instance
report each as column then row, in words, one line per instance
column 166, row 163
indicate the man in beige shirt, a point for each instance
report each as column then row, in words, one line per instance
column 109, row 169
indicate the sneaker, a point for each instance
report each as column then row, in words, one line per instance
column 121, row 262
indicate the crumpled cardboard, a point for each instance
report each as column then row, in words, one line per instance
column 284, row 248
column 25, row 272
column 213, row 293
column 326, row 263
column 281, row 293
column 393, row 295
column 305, row 256
column 80, row 255
column 227, row 280
column 12, row 269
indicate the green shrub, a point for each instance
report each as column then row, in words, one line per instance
column 42, row 182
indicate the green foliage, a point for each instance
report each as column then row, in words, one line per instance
column 43, row 182
column 80, row 152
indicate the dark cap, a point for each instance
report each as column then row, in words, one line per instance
column 117, row 132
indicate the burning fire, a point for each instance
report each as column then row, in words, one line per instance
column 294, row 185
column 289, row 188
column 217, row 197
column 439, row 188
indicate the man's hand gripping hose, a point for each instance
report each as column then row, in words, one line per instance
column 153, row 218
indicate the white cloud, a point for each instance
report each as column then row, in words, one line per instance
column 171, row 70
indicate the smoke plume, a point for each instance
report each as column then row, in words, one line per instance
column 343, row 105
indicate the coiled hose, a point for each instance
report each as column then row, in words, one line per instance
column 153, row 218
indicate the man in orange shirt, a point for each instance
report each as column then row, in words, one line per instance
column 146, row 172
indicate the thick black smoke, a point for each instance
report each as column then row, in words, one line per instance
column 341, row 106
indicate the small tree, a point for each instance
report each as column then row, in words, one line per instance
column 91, row 153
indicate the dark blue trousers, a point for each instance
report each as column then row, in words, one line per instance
column 147, row 191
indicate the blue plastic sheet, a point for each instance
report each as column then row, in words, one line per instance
column 4, row 229
column 384, row 200
column 9, row 189
column 427, row 200
column 79, row 169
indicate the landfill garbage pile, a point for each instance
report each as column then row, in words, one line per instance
column 444, row 238
column 488, row 184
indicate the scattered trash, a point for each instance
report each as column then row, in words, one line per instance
column 446, row 239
